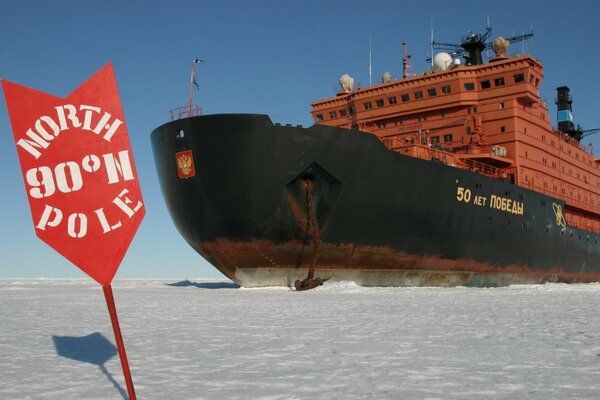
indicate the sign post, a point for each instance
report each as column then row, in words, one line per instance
column 80, row 178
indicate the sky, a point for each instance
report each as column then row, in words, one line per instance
column 267, row 57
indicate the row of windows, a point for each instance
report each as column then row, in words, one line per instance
column 436, row 139
column 431, row 92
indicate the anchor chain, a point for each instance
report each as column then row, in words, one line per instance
column 311, row 227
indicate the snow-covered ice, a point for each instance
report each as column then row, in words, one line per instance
column 211, row 340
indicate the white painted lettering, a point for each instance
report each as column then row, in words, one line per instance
column 106, row 227
column 115, row 168
column 72, row 225
column 123, row 202
column 47, row 182
column 44, row 221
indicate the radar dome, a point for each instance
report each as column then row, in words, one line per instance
column 441, row 61
column 500, row 46
column 347, row 83
column 386, row 78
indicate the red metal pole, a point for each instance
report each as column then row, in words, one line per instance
column 112, row 310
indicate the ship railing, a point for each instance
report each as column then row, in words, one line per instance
column 572, row 202
column 424, row 152
column 482, row 168
column 185, row 112
column 589, row 149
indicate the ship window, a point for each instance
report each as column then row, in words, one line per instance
column 519, row 78
column 447, row 138
column 446, row 89
column 404, row 98
column 468, row 130
column 501, row 106
column 379, row 103
column 351, row 110
column 319, row 117
column 392, row 100
column 435, row 139
column 368, row 105
column 486, row 84
column 418, row 95
column 333, row 114
column 502, row 129
column 469, row 86
column 343, row 112
column 432, row 92
column 499, row 81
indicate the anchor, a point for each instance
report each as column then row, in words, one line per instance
column 312, row 197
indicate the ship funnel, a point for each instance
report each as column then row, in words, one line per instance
column 564, row 113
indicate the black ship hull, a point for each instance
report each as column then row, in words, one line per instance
column 267, row 201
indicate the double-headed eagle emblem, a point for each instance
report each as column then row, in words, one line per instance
column 185, row 164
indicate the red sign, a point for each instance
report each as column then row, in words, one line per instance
column 79, row 173
column 185, row 164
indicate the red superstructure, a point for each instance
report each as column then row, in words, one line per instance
column 487, row 118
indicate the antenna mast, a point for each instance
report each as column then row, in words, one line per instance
column 432, row 42
column 370, row 60
column 405, row 65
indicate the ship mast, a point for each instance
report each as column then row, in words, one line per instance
column 193, row 83
column 189, row 109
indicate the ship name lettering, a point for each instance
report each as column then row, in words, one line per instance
column 507, row 205
column 480, row 200
column 463, row 194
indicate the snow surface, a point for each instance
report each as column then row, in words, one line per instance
column 212, row 340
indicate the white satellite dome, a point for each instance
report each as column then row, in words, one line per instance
column 347, row 83
column 441, row 61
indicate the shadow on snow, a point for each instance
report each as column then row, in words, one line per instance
column 205, row 285
column 93, row 348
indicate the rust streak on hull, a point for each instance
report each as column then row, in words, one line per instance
column 262, row 263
